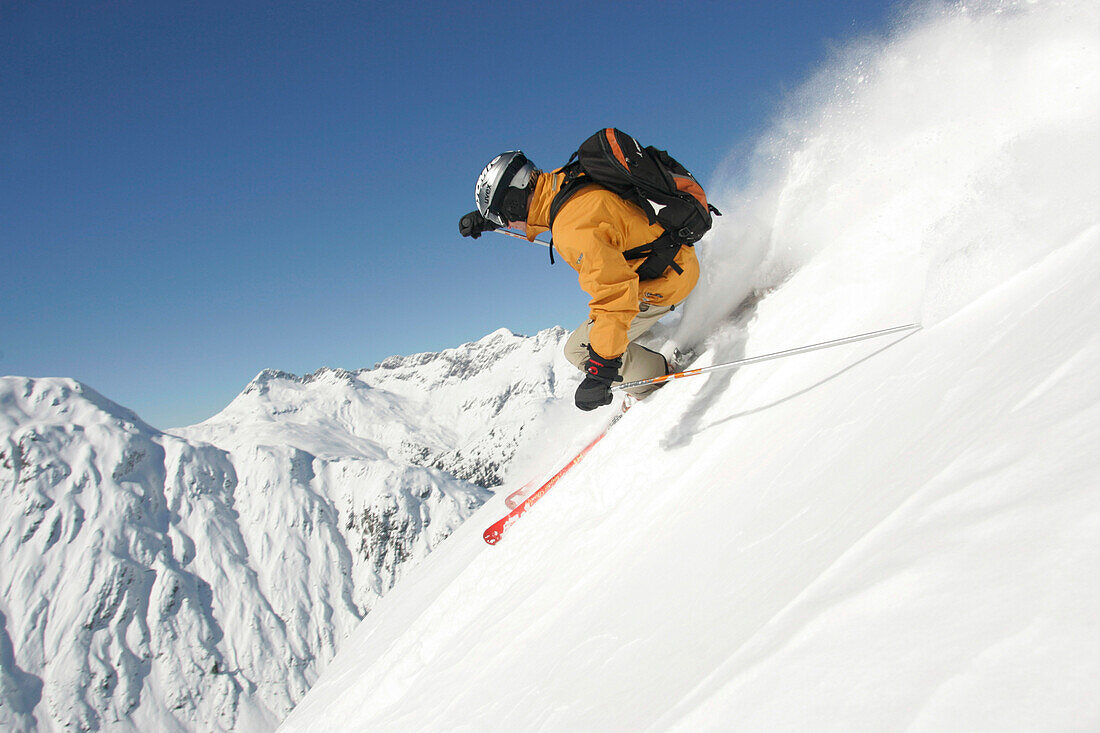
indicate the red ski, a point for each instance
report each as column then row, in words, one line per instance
column 493, row 533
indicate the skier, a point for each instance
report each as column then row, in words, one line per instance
column 592, row 230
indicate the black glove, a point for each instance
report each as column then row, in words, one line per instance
column 473, row 224
column 600, row 374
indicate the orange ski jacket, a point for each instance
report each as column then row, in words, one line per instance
column 591, row 232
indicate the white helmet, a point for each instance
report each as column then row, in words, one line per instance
column 501, row 191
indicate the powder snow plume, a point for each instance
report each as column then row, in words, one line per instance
column 939, row 161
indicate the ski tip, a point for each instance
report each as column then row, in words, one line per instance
column 492, row 536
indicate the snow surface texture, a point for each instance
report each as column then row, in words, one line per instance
column 201, row 580
column 897, row 535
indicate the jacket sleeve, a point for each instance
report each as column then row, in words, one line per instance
column 589, row 236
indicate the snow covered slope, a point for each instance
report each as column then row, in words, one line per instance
column 899, row 535
column 201, row 580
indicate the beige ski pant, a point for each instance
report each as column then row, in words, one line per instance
column 638, row 361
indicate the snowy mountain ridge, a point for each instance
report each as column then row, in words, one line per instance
column 462, row 410
column 201, row 578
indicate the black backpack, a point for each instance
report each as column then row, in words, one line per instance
column 650, row 178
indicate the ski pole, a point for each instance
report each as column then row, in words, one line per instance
column 768, row 357
column 516, row 235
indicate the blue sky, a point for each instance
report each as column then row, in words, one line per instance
column 191, row 192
